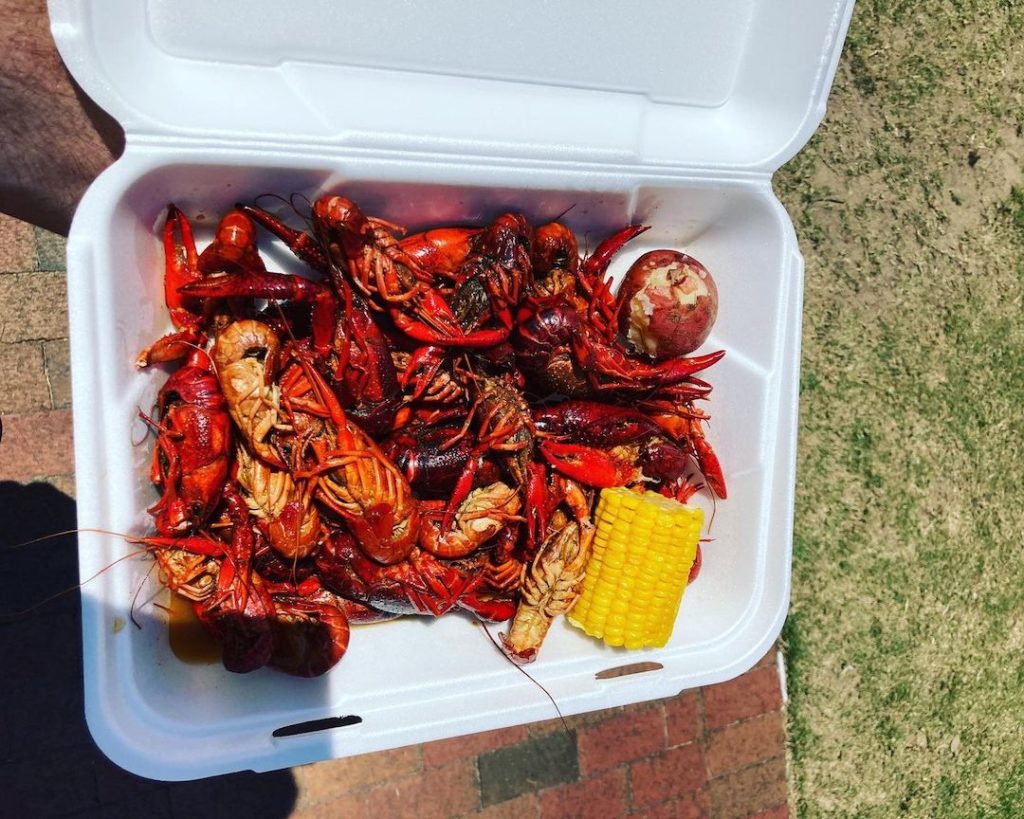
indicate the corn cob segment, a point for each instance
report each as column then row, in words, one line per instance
column 644, row 547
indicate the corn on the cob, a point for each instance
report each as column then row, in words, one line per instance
column 644, row 547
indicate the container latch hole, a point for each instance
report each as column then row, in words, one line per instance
column 317, row 725
column 626, row 670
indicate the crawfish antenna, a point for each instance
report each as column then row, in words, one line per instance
column 10, row 617
column 307, row 215
column 264, row 196
column 564, row 212
column 526, row 674
column 284, row 319
column 135, row 597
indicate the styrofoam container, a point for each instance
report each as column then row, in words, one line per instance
column 674, row 113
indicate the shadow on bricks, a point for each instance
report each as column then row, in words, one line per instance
column 49, row 765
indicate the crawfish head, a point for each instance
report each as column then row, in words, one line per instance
column 554, row 248
column 471, row 303
column 360, row 484
column 233, row 249
column 360, row 367
column 283, row 507
column 543, row 347
column 240, row 611
column 239, row 616
column 342, row 227
column 663, row 460
column 246, row 355
column 551, row 587
column 492, row 278
column 508, row 242
column 508, row 426
column 543, row 328
column 270, row 564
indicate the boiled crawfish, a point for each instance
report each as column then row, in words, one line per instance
column 550, row 587
column 247, row 354
column 487, row 511
column 353, row 477
column 282, row 506
column 192, row 453
column 419, row 584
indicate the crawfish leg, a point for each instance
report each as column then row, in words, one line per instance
column 181, row 267
column 707, row 460
column 304, row 246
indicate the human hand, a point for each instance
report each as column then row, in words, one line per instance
column 54, row 140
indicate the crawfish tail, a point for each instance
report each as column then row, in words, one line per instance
column 551, row 586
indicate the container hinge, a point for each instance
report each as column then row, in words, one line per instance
column 180, row 144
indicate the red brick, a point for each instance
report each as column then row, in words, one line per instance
column 691, row 806
column 599, row 797
column 17, row 245
column 448, row 750
column 778, row 812
column 745, row 743
column 548, row 726
column 34, row 306
column 756, row 692
column 23, row 374
column 769, row 659
column 683, row 718
column 325, row 781
column 36, row 444
column 57, row 364
column 526, row 806
column 634, row 734
column 673, row 773
column 440, row 792
column 748, row 791
column 51, row 250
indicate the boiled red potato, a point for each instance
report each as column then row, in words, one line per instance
column 670, row 303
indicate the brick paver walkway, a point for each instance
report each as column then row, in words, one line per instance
column 716, row 752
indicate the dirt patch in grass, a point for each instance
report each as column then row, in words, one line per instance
column 907, row 625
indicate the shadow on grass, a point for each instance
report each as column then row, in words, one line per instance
column 49, row 764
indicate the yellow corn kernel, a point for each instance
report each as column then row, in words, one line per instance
column 644, row 547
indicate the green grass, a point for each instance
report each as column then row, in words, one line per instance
column 905, row 641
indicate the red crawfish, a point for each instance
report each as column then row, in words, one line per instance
column 310, row 628
column 353, row 478
column 367, row 250
column 235, row 607
column 496, row 274
column 603, row 445
column 192, row 455
column 181, row 266
column 421, row 584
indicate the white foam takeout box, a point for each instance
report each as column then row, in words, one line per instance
column 673, row 113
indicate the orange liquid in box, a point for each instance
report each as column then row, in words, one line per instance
column 190, row 642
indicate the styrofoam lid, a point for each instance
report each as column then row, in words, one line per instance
column 737, row 84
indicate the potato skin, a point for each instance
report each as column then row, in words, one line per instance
column 670, row 303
